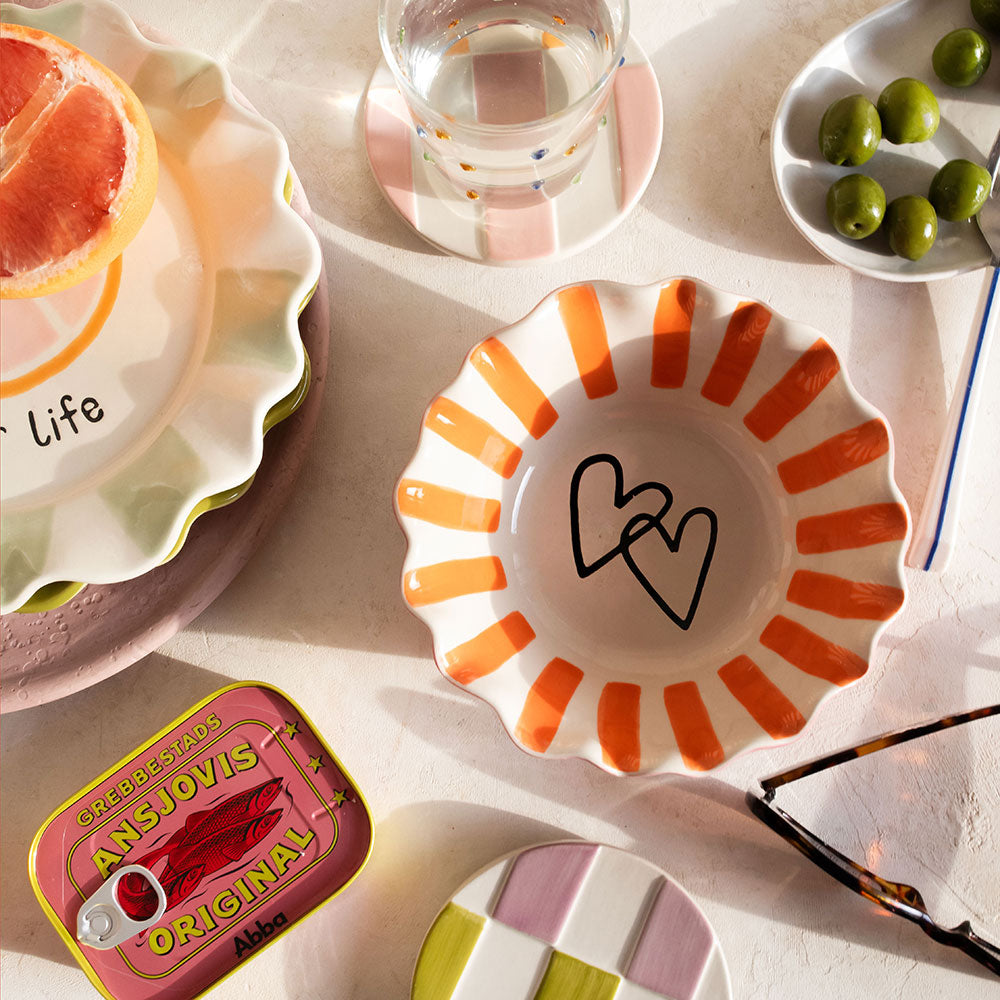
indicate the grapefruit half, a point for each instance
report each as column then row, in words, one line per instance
column 78, row 164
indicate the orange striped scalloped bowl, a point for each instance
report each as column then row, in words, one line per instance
column 653, row 527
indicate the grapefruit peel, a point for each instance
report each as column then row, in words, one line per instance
column 45, row 184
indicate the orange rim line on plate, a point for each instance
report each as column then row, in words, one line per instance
column 76, row 347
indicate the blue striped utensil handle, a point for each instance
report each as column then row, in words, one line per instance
column 935, row 537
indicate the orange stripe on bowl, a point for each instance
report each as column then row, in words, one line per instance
column 618, row 725
column 447, row 508
column 473, row 435
column 455, row 578
column 550, row 41
column 844, row 598
column 505, row 376
column 851, row 529
column 797, row 388
column 763, row 699
column 581, row 315
column 811, row 653
column 737, row 354
column 492, row 648
column 834, row 457
column 699, row 746
column 672, row 334
column 546, row 704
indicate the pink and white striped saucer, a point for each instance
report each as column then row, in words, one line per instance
column 602, row 194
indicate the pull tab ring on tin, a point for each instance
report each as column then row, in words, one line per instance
column 102, row 923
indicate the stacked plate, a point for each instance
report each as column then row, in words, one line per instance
column 139, row 399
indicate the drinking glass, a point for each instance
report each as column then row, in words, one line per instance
column 507, row 96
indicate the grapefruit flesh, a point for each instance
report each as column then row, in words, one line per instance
column 77, row 164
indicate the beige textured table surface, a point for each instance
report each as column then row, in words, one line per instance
column 318, row 612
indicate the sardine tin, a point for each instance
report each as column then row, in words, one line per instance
column 245, row 816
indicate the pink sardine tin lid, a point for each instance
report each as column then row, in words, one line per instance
column 246, row 822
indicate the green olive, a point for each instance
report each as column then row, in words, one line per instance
column 911, row 223
column 961, row 57
column 855, row 205
column 987, row 13
column 909, row 111
column 850, row 131
column 959, row 189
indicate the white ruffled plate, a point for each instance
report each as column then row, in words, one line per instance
column 171, row 369
column 653, row 527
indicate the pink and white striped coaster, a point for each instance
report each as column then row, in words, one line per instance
column 571, row 919
column 601, row 195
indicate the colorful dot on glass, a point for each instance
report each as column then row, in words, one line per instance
column 558, row 19
column 441, row 134
column 621, row 62
column 576, row 180
column 428, row 157
column 422, row 132
column 402, row 32
column 453, row 24
column 536, row 185
column 607, row 40
column 472, row 196
column 571, row 150
column 603, row 121
column 538, row 154
column 467, row 166
column 593, row 34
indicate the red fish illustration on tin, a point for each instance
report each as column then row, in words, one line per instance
column 226, row 846
column 208, row 841
column 242, row 806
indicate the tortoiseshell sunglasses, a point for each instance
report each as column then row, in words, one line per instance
column 897, row 897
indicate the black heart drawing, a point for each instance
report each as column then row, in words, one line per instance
column 621, row 499
column 638, row 527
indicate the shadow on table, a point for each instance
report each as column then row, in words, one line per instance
column 330, row 572
column 699, row 831
column 939, row 643
column 718, row 105
column 52, row 751
column 412, row 874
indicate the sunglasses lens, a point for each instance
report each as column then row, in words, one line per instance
column 925, row 813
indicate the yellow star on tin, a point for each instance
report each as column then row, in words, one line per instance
column 339, row 798
column 316, row 763
column 291, row 730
